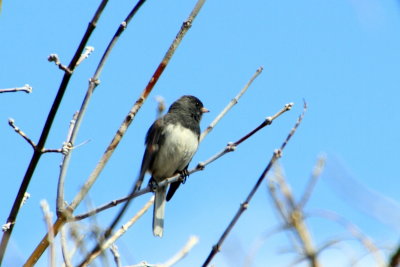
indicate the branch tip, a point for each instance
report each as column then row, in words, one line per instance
column 200, row 166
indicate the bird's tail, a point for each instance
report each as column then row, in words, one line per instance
column 159, row 210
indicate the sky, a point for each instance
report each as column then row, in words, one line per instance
column 342, row 57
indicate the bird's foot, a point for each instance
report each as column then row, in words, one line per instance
column 184, row 174
column 153, row 184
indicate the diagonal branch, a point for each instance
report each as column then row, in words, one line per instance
column 233, row 102
column 21, row 133
column 106, row 244
column 276, row 155
column 200, row 166
column 94, row 82
column 120, row 132
column 46, row 130
column 187, row 24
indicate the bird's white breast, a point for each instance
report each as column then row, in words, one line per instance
column 175, row 153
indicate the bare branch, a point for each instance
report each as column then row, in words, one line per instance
column 21, row 133
column 106, row 244
column 64, row 248
column 318, row 168
column 67, row 146
column 200, row 166
column 42, row 140
column 233, row 102
column 294, row 218
column 54, row 58
column 115, row 252
column 26, row 88
column 193, row 240
column 157, row 74
column 48, row 220
column 355, row 232
column 276, row 155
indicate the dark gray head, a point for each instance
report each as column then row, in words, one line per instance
column 188, row 105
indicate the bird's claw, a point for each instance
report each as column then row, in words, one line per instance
column 184, row 174
column 153, row 184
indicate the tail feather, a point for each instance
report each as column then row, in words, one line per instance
column 159, row 210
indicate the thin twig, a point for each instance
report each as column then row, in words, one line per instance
column 233, row 102
column 106, row 244
column 54, row 58
column 48, row 220
column 187, row 24
column 42, row 140
column 318, row 168
column 68, row 144
column 276, row 155
column 193, row 240
column 21, row 133
column 255, row 247
column 354, row 231
column 94, row 82
column 26, row 88
column 294, row 218
column 64, row 248
column 200, row 166
column 115, row 253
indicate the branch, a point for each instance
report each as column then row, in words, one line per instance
column 354, row 231
column 160, row 69
column 193, row 240
column 48, row 218
column 233, row 102
column 180, row 255
column 318, row 168
column 94, row 82
column 106, row 244
column 54, row 58
column 21, row 133
column 46, row 130
column 200, row 166
column 294, row 218
column 26, row 88
column 64, row 248
column 277, row 154
column 115, row 252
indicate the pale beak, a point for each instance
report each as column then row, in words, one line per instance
column 204, row 110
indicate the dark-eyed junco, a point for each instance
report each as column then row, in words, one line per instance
column 171, row 143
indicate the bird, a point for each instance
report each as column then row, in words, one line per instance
column 171, row 142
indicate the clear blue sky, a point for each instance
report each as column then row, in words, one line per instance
column 342, row 56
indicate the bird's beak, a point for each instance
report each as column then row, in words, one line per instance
column 204, row 110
